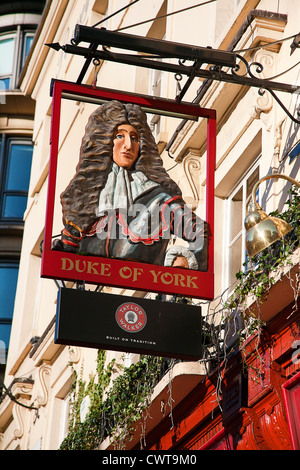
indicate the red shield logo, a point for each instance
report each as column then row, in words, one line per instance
column 131, row 317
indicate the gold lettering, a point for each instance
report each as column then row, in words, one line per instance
column 91, row 268
column 166, row 275
column 67, row 264
column 123, row 272
column 136, row 272
column 77, row 262
column 179, row 280
column 105, row 269
column 190, row 282
column 126, row 272
column 155, row 275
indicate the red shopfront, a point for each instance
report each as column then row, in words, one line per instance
column 257, row 406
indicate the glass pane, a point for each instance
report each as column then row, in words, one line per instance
column 236, row 214
column 19, row 165
column 235, row 253
column 28, row 39
column 14, row 206
column 4, row 84
column 8, row 284
column 7, row 55
column 27, row 46
column 253, row 178
column 4, row 341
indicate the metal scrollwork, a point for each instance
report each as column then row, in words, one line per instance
column 237, row 68
column 178, row 78
column 181, row 61
column 295, row 120
column 259, row 69
column 241, row 73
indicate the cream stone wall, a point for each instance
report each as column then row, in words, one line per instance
column 249, row 127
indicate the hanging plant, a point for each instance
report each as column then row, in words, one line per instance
column 115, row 415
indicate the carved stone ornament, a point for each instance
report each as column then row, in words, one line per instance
column 264, row 102
column 74, row 354
column 22, row 392
column 18, row 413
column 192, row 168
column 44, row 376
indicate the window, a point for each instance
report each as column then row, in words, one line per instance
column 7, row 47
column 27, row 41
column 155, row 90
column 65, row 416
column 237, row 206
column 8, row 283
column 14, row 49
column 15, row 159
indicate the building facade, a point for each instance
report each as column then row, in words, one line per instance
column 244, row 393
column 18, row 25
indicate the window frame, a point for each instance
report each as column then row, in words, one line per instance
column 19, row 32
column 155, row 86
column 228, row 242
column 5, row 36
column 65, row 417
column 7, row 320
column 26, row 33
column 6, row 142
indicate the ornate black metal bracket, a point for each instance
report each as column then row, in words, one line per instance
column 239, row 71
column 295, row 120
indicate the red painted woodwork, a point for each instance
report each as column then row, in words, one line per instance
column 220, row 441
column 259, row 400
column 119, row 273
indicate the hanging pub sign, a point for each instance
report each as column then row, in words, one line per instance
column 128, row 324
column 116, row 217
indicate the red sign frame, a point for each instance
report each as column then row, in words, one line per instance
column 115, row 272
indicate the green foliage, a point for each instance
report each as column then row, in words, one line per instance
column 113, row 412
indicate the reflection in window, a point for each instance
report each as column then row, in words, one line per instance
column 27, row 41
column 7, row 47
column 8, row 284
column 7, row 55
column 14, row 49
column 238, row 203
column 16, row 166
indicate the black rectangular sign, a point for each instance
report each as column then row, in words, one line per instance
column 128, row 324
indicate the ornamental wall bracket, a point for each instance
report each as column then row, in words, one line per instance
column 44, row 377
column 193, row 61
column 264, row 102
column 192, row 168
column 15, row 404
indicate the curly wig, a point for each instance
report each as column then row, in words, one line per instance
column 80, row 199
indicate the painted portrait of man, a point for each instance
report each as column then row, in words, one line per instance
column 121, row 202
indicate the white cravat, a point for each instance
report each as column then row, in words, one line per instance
column 120, row 190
